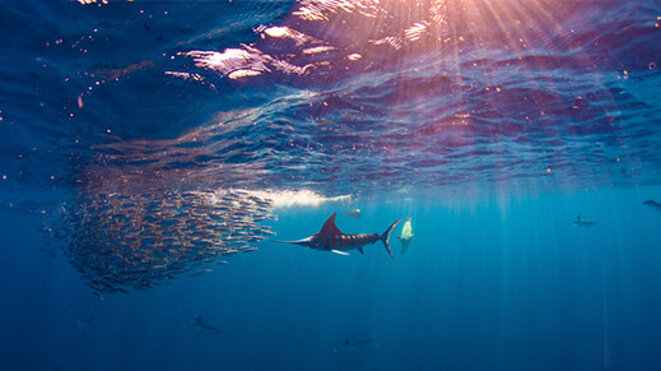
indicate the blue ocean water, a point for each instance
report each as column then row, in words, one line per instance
column 152, row 155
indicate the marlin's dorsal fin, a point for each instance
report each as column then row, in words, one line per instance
column 329, row 227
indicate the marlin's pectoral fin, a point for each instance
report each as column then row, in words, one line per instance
column 360, row 249
column 305, row 241
column 339, row 252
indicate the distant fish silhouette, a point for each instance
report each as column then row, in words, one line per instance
column 200, row 272
column 406, row 235
column 580, row 222
column 355, row 213
column 653, row 204
column 350, row 345
column 330, row 238
column 200, row 324
column 50, row 254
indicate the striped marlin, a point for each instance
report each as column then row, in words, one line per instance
column 330, row 238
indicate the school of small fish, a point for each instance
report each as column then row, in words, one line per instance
column 132, row 240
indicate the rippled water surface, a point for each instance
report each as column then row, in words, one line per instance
column 146, row 142
column 336, row 96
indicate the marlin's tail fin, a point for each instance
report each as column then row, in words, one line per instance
column 386, row 236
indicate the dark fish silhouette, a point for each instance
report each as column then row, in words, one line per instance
column 356, row 343
column 653, row 204
column 50, row 254
column 330, row 238
column 580, row 222
column 200, row 272
column 199, row 323
column 351, row 345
